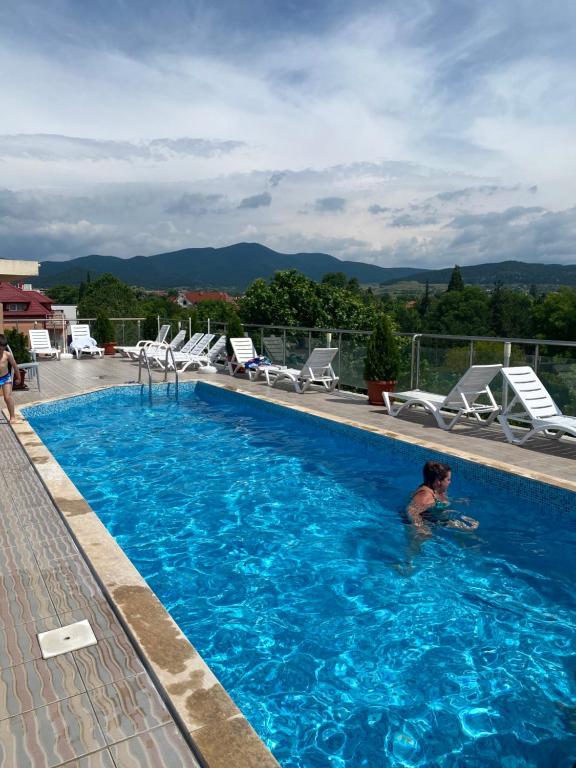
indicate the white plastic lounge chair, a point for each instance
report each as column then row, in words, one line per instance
column 193, row 360
column 156, row 353
column 532, row 405
column 274, row 348
column 82, row 343
column 159, row 359
column 316, row 370
column 160, row 338
column 40, row 345
column 462, row 400
column 191, row 343
column 243, row 350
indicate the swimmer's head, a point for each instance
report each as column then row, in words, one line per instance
column 436, row 474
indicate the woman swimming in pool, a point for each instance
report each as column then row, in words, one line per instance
column 429, row 503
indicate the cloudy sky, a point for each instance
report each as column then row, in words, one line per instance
column 421, row 133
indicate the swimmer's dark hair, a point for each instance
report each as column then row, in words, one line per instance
column 433, row 471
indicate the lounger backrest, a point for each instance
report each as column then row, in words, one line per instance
column 473, row 384
column 217, row 349
column 80, row 332
column 274, row 348
column 202, row 344
column 243, row 349
column 320, row 362
column 177, row 340
column 39, row 339
column 191, row 343
column 162, row 333
column 531, row 393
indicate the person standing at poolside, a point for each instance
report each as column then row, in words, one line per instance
column 429, row 503
column 6, row 362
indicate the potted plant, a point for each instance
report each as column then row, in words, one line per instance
column 104, row 333
column 382, row 361
column 17, row 343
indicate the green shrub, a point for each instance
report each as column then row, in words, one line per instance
column 382, row 361
column 18, row 345
column 103, row 329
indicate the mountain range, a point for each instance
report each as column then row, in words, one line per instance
column 234, row 267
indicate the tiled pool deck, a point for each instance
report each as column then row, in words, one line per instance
column 142, row 696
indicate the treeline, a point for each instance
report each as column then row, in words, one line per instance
column 292, row 299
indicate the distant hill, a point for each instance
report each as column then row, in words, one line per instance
column 232, row 268
column 513, row 273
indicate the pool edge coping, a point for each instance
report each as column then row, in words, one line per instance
column 213, row 724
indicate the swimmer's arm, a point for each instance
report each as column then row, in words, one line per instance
column 421, row 501
column 14, row 364
column 465, row 523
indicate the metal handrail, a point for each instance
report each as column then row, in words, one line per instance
column 143, row 355
column 170, row 352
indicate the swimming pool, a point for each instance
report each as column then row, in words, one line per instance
column 276, row 541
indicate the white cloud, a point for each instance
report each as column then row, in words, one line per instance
column 163, row 128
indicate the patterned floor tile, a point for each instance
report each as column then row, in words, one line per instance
column 110, row 660
column 101, row 617
column 26, row 489
column 38, row 682
column 18, row 558
column 32, row 514
column 128, row 707
column 11, row 531
column 23, row 598
column 49, row 550
column 100, row 759
column 163, row 746
column 44, row 528
column 51, row 735
column 20, row 643
column 71, row 585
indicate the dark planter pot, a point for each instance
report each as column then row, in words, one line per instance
column 21, row 384
column 375, row 389
column 109, row 347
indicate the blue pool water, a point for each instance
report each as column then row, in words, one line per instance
column 277, row 543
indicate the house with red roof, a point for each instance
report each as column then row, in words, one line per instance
column 24, row 309
column 190, row 298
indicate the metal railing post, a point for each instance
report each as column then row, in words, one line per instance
column 471, row 358
column 284, row 347
column 536, row 357
column 506, row 362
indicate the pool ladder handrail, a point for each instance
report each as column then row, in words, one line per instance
column 143, row 356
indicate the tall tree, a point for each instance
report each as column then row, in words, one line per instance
column 456, row 280
column 461, row 313
column 110, row 295
column 424, row 303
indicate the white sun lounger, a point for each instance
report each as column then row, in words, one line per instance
column 160, row 338
column 161, row 361
column 243, row 350
column 274, row 346
column 202, row 359
column 40, row 344
column 462, row 400
column 157, row 352
column 532, row 405
column 317, row 370
column 82, row 342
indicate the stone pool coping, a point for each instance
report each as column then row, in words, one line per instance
column 214, row 725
